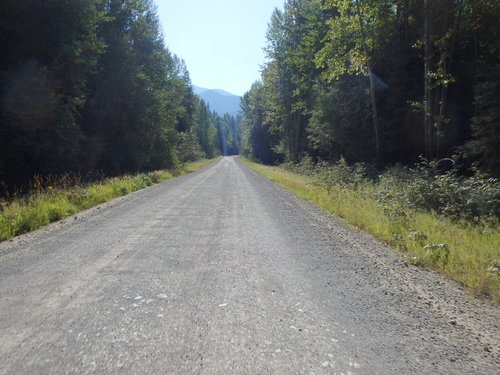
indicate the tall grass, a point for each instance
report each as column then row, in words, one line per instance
column 53, row 198
column 468, row 251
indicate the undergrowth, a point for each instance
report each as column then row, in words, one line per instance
column 54, row 198
column 444, row 221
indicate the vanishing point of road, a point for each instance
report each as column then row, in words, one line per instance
column 223, row 272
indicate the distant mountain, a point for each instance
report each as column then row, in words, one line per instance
column 220, row 101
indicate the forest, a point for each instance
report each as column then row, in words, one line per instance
column 88, row 87
column 379, row 82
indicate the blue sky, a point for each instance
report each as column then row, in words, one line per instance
column 220, row 40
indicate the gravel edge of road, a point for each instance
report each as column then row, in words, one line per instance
column 469, row 317
column 8, row 246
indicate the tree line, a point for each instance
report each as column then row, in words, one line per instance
column 88, row 85
column 379, row 81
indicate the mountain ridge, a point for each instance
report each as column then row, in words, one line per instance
column 220, row 101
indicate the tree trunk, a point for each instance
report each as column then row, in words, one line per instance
column 297, row 120
column 447, row 62
column 373, row 98
column 428, row 117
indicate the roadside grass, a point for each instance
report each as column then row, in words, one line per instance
column 465, row 252
column 68, row 196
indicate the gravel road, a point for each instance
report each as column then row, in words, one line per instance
column 223, row 272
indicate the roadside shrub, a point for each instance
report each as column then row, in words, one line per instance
column 463, row 198
column 437, row 253
column 340, row 174
column 305, row 167
column 401, row 191
column 330, row 175
column 449, row 194
column 141, row 181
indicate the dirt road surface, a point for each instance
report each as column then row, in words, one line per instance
column 223, row 272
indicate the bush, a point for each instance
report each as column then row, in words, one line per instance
column 401, row 190
column 449, row 194
column 330, row 175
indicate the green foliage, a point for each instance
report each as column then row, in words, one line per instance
column 188, row 148
column 486, row 121
column 260, row 137
column 330, row 175
column 438, row 253
column 293, row 37
column 378, row 82
column 449, row 194
column 205, row 130
column 228, row 133
column 400, row 190
column 354, row 33
column 89, row 86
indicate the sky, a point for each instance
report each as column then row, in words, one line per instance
column 221, row 41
